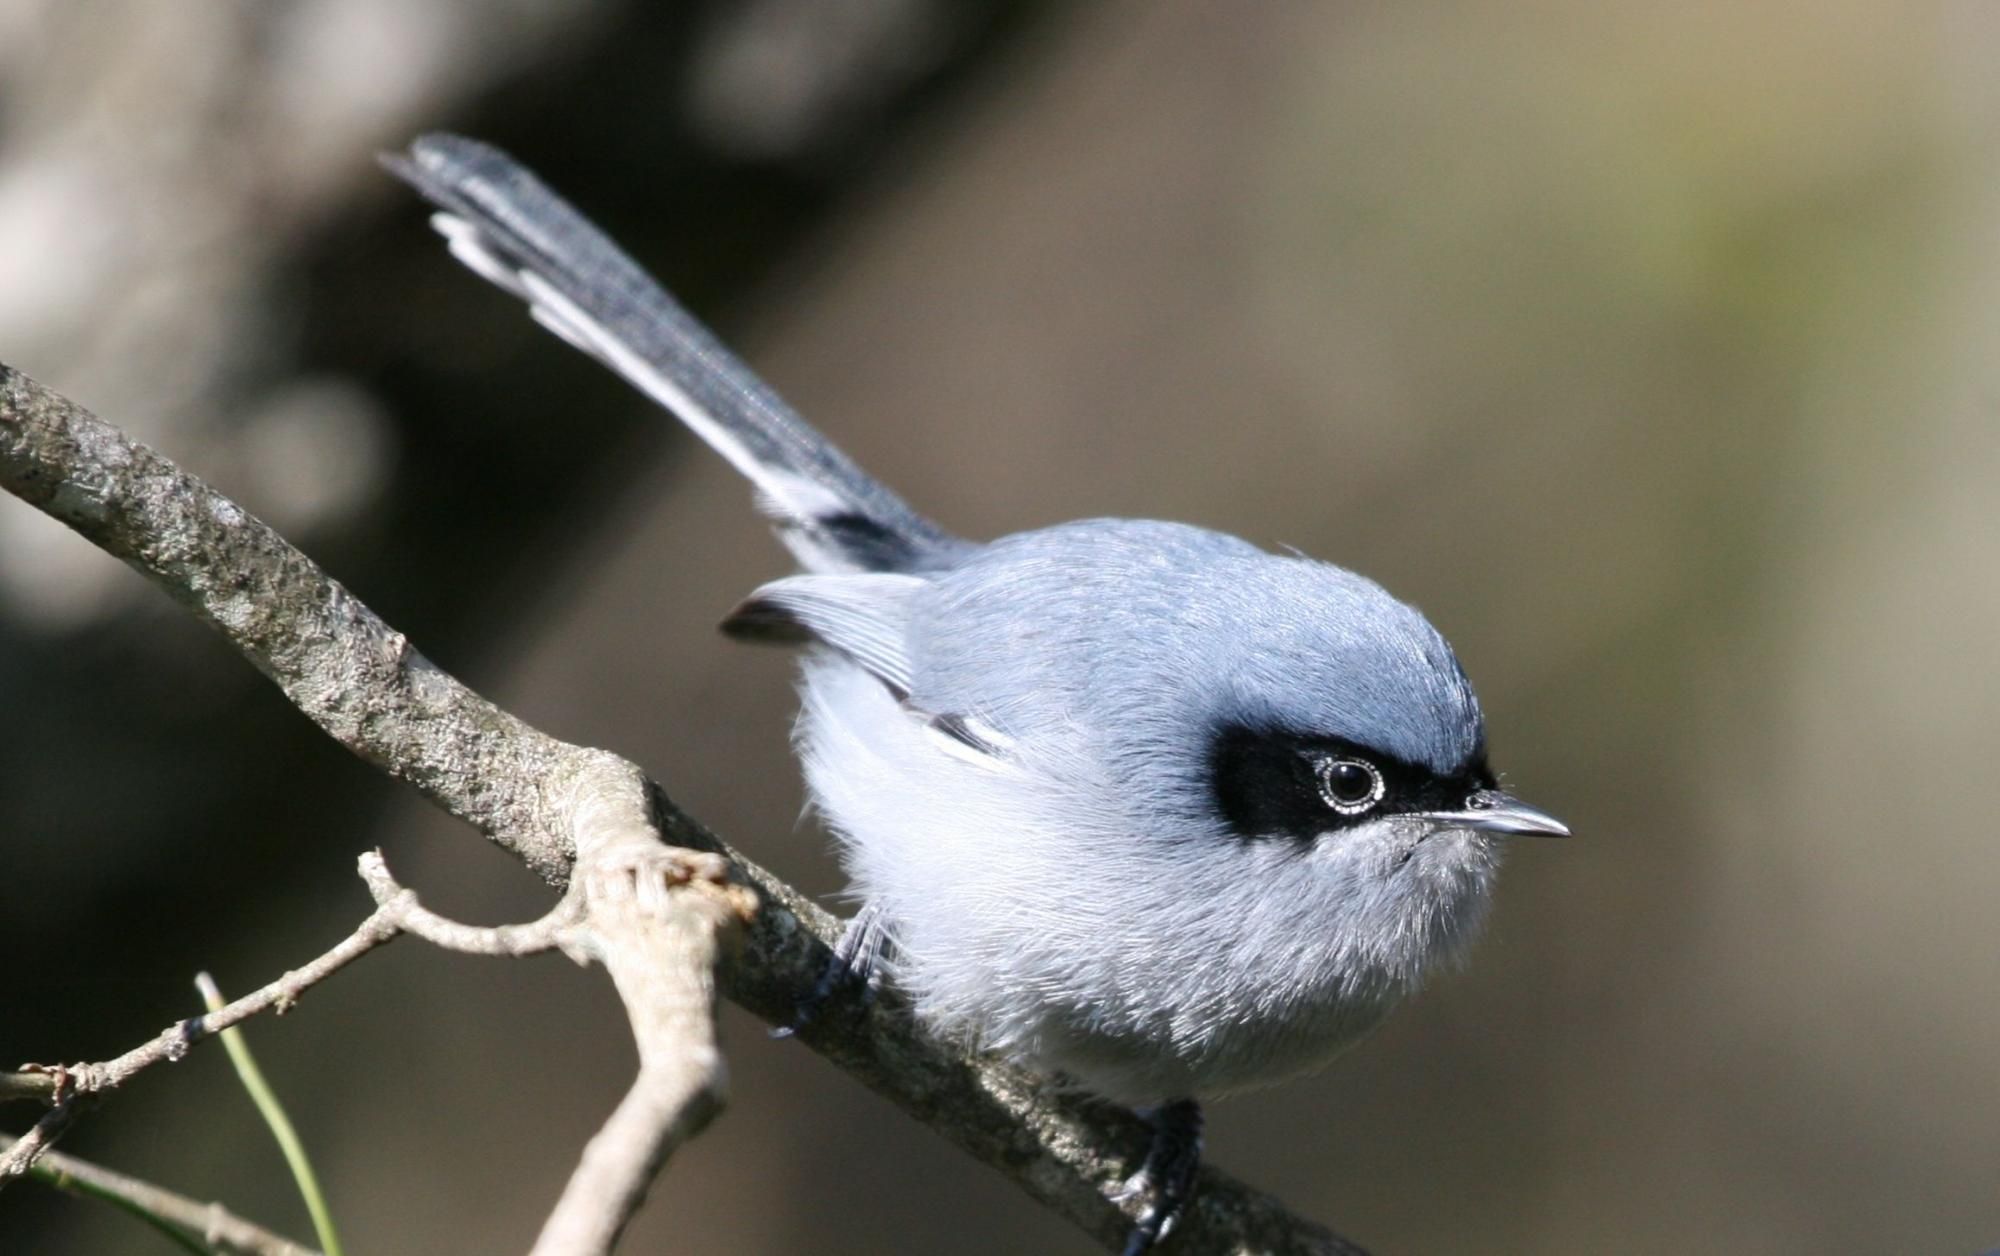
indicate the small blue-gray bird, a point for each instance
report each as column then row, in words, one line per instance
column 1134, row 804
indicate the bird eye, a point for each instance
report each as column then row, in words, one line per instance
column 1350, row 786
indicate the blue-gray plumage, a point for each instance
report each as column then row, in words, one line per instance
column 1107, row 657
column 1137, row 804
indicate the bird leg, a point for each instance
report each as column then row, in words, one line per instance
column 856, row 960
column 1167, row 1177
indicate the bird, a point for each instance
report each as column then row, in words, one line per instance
column 1136, row 805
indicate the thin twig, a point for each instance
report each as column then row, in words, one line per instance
column 32, row 1087
column 215, row 1225
column 361, row 682
column 23, row 1152
column 558, row 930
column 80, row 1082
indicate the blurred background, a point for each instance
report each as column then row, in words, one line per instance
column 1649, row 349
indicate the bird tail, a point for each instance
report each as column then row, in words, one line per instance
column 505, row 224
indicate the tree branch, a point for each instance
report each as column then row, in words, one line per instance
column 350, row 673
column 212, row 1223
column 544, row 801
column 682, row 1079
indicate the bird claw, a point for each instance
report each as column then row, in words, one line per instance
column 856, row 960
column 1167, row 1176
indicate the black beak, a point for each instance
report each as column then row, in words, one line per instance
column 1491, row 811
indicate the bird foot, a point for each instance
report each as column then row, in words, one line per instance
column 1166, row 1179
column 856, row 960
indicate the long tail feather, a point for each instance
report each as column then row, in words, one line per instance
column 505, row 224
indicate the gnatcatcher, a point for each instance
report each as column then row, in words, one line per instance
column 1135, row 804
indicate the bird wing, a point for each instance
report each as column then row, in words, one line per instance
column 863, row 617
